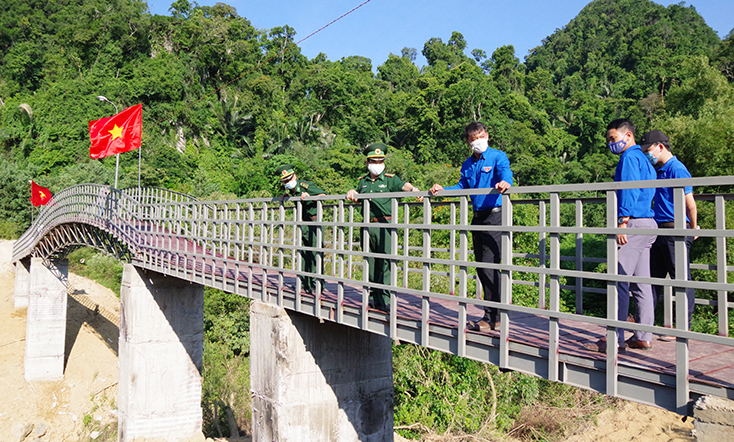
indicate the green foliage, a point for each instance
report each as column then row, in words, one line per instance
column 446, row 394
column 9, row 230
column 226, row 363
column 93, row 264
column 227, row 320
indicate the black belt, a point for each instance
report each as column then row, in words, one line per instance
column 670, row 225
column 492, row 210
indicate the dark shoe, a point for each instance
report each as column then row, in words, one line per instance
column 495, row 325
column 481, row 326
column 639, row 345
column 600, row 346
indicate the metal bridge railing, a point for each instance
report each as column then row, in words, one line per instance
column 555, row 244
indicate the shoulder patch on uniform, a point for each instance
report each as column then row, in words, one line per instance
column 389, row 175
column 304, row 185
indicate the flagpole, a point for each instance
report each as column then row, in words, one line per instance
column 30, row 181
column 117, row 156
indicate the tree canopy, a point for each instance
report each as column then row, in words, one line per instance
column 225, row 103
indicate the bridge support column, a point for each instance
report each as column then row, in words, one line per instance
column 160, row 354
column 22, row 283
column 46, row 320
column 317, row 381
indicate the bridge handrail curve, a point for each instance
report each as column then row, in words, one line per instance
column 97, row 205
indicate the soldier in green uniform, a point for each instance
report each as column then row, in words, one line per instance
column 295, row 187
column 377, row 181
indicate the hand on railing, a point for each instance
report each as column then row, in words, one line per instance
column 352, row 195
column 502, row 186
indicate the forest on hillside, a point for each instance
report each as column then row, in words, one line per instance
column 225, row 103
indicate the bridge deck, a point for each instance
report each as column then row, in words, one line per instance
column 198, row 241
column 711, row 365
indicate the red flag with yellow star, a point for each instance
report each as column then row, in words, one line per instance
column 116, row 134
column 39, row 195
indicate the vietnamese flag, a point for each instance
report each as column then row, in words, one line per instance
column 116, row 134
column 39, row 195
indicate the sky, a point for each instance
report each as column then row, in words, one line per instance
column 381, row 27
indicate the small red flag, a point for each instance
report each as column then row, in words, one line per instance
column 39, row 195
column 116, row 134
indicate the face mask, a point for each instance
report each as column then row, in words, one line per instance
column 376, row 169
column 653, row 159
column 290, row 185
column 479, row 145
column 617, row 147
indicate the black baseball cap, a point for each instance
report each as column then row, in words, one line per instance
column 653, row 137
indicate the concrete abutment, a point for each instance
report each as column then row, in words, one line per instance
column 22, row 283
column 317, row 381
column 714, row 419
column 160, row 357
column 46, row 319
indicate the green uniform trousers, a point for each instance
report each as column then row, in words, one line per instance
column 308, row 257
column 380, row 267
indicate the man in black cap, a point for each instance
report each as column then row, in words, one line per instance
column 377, row 181
column 656, row 146
column 287, row 175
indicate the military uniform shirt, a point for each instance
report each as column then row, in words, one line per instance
column 309, row 207
column 672, row 168
column 386, row 182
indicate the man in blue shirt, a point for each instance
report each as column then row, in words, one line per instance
column 634, row 212
column 485, row 168
column 656, row 146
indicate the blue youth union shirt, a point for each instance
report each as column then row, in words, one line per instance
column 672, row 168
column 634, row 166
column 491, row 168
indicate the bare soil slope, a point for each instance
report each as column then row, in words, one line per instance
column 84, row 401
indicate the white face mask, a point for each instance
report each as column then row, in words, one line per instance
column 480, row 145
column 290, row 185
column 376, row 169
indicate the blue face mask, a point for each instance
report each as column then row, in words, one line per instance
column 617, row 147
column 653, row 160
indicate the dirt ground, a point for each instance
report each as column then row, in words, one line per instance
column 82, row 406
column 84, row 401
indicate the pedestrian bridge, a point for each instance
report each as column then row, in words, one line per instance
column 558, row 286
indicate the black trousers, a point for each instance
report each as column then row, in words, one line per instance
column 662, row 264
column 487, row 248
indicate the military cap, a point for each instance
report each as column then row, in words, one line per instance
column 285, row 171
column 376, row 150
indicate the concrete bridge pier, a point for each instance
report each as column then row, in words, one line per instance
column 22, row 283
column 46, row 319
column 317, row 381
column 160, row 355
